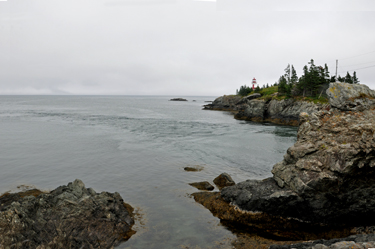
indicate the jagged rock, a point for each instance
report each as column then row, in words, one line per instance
column 70, row 216
column 350, row 97
column 202, row 185
column 246, row 99
column 254, row 110
column 178, row 99
column 251, row 108
column 287, row 111
column 224, row 103
column 326, row 180
column 224, row 180
column 327, row 176
column 360, row 241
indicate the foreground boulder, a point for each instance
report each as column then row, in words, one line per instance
column 324, row 187
column 70, row 216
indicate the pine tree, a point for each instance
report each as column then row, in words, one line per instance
column 326, row 73
column 355, row 79
column 283, row 85
column 348, row 78
column 294, row 77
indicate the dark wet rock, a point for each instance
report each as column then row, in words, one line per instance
column 276, row 227
column 178, row 99
column 224, row 103
column 360, row 241
column 70, row 216
column 224, row 180
column 194, row 168
column 202, row 185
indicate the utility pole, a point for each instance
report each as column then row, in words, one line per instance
column 337, row 62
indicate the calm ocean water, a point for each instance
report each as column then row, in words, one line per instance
column 137, row 146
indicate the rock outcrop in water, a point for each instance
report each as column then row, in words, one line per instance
column 325, row 186
column 260, row 110
column 70, row 216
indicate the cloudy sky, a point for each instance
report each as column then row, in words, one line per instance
column 177, row 47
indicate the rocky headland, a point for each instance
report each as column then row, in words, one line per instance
column 324, row 187
column 252, row 108
column 70, row 216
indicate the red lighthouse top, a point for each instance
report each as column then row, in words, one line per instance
column 254, row 82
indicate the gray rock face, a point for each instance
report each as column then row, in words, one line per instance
column 259, row 110
column 70, row 216
column 326, row 177
column 350, row 97
column 224, row 103
column 252, row 110
column 290, row 109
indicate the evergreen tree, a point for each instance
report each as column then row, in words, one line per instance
column 283, row 85
column 244, row 90
column 326, row 73
column 294, row 77
column 340, row 79
column 348, row 78
column 257, row 89
column 355, row 79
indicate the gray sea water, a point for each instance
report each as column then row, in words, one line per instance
column 137, row 146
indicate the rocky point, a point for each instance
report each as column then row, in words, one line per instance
column 325, row 185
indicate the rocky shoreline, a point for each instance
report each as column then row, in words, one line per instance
column 325, row 186
column 251, row 108
column 70, row 216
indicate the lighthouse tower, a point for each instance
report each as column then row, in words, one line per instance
column 254, row 82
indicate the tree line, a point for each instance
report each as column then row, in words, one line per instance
column 313, row 82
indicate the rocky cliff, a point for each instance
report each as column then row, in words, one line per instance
column 326, row 182
column 260, row 110
column 70, row 216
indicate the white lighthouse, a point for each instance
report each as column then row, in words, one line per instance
column 254, row 82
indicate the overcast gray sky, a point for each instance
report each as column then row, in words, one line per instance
column 177, row 47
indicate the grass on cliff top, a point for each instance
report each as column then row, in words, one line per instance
column 267, row 92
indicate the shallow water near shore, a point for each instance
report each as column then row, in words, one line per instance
column 137, row 146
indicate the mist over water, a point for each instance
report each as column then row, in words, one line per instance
column 137, row 146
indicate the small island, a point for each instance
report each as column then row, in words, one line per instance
column 178, row 99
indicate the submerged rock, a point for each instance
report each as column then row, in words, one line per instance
column 70, row 216
column 202, row 185
column 224, row 180
column 194, row 168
